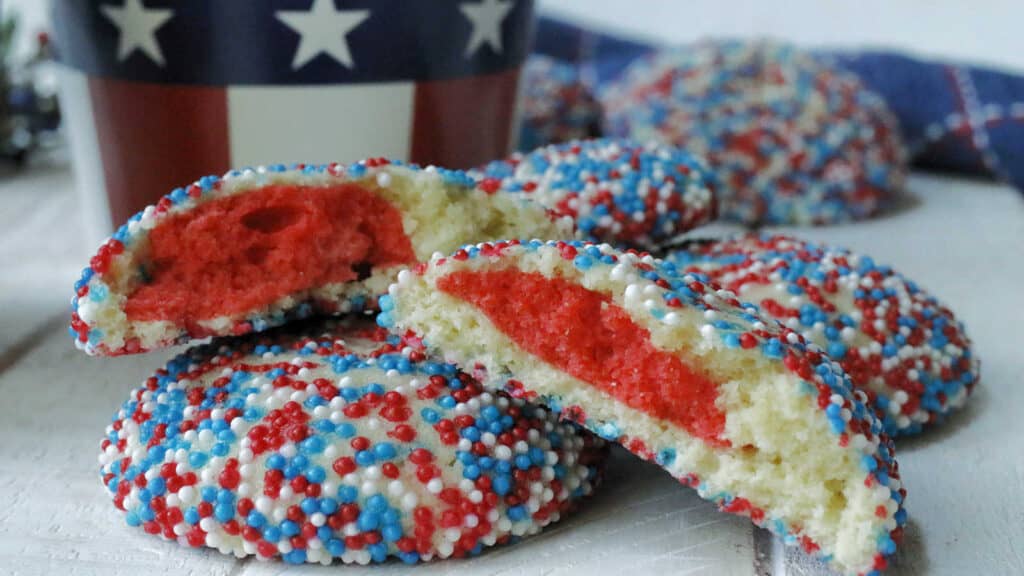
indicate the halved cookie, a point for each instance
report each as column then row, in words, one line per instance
column 261, row 246
column 673, row 368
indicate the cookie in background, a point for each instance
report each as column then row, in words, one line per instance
column 791, row 138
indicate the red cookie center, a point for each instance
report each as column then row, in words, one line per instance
column 586, row 335
column 244, row 252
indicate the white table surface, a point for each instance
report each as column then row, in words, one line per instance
column 963, row 240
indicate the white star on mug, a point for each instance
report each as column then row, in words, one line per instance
column 486, row 18
column 322, row 29
column 137, row 26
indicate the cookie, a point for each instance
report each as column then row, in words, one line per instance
column 614, row 190
column 557, row 105
column 673, row 368
column 792, row 138
column 902, row 347
column 299, row 448
column 251, row 250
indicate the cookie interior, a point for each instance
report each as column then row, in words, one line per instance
column 246, row 251
column 614, row 354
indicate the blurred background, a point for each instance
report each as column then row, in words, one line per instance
column 39, row 191
column 985, row 32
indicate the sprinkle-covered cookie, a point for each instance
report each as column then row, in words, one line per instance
column 261, row 246
column 674, row 368
column 557, row 105
column 614, row 190
column 792, row 139
column 898, row 344
column 297, row 447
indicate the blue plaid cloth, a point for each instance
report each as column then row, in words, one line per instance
column 954, row 117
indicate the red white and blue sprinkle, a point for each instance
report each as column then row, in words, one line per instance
column 614, row 190
column 558, row 106
column 901, row 346
column 351, row 445
column 792, row 139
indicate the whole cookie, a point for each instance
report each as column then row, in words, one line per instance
column 299, row 447
column 792, row 139
column 901, row 346
column 258, row 247
column 613, row 190
column 557, row 105
column 743, row 409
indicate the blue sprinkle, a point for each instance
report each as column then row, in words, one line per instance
column 312, row 445
column 337, row 547
column 501, row 485
column 869, row 463
column 384, row 451
column 391, row 532
column 886, row 545
column 900, row 517
column 224, row 512
column 430, row 415
column 345, row 430
column 324, row 533
column 365, row 458
column 157, row 486
column 471, row 472
column 309, row 505
column 516, row 513
column 271, row 533
column 347, row 494
column 209, row 493
column 328, row 506
column 316, row 474
column 289, row 528
column 197, row 459
column 377, row 503
column 275, row 462
column 368, row 520
column 836, row 350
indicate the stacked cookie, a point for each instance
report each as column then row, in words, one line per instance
column 518, row 332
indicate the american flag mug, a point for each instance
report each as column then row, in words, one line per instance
column 157, row 93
